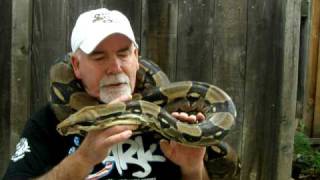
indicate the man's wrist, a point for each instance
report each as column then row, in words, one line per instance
column 192, row 173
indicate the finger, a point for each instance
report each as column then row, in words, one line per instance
column 200, row 117
column 184, row 117
column 166, row 148
column 118, row 129
column 117, row 138
column 122, row 98
column 175, row 114
column 193, row 118
column 180, row 116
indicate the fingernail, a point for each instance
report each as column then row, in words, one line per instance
column 127, row 133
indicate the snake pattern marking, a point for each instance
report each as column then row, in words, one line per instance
column 154, row 100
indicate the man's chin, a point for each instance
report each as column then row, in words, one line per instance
column 106, row 96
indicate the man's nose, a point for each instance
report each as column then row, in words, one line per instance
column 114, row 66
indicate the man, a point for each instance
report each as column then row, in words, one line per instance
column 105, row 59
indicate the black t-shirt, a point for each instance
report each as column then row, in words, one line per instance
column 41, row 148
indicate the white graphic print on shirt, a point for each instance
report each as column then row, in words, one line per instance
column 120, row 158
column 21, row 148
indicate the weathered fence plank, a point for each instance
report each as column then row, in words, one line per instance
column 5, row 68
column 194, row 46
column 48, row 43
column 159, row 33
column 311, row 79
column 314, row 54
column 20, row 68
column 261, row 93
column 303, row 57
column 290, row 29
column 229, row 57
column 271, row 77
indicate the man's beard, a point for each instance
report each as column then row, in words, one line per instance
column 113, row 86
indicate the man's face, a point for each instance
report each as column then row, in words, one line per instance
column 110, row 70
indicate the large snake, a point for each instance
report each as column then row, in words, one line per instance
column 154, row 99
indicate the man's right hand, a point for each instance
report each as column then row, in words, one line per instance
column 97, row 144
column 94, row 148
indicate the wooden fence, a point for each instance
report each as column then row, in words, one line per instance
column 311, row 113
column 248, row 48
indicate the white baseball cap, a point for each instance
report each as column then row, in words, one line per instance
column 94, row 26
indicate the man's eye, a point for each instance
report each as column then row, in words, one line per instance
column 98, row 58
column 123, row 54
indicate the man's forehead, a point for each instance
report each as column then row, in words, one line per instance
column 122, row 48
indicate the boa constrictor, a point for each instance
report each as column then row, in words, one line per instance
column 154, row 99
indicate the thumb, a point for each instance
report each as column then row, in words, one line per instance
column 166, row 148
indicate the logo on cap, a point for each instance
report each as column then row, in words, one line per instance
column 103, row 17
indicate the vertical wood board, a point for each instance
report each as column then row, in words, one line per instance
column 49, row 43
column 314, row 54
column 311, row 79
column 229, row 57
column 159, row 34
column 194, row 46
column 290, row 28
column 261, row 92
column 20, row 68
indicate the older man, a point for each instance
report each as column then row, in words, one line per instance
column 105, row 59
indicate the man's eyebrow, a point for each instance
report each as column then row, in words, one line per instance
column 94, row 53
column 124, row 49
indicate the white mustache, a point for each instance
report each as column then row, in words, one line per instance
column 120, row 78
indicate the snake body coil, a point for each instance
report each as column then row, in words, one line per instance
column 155, row 99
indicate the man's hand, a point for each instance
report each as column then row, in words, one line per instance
column 190, row 159
column 97, row 144
column 94, row 148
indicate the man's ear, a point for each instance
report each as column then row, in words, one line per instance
column 75, row 66
column 136, row 54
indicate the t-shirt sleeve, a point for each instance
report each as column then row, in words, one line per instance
column 34, row 152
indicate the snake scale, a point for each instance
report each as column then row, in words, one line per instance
column 154, row 99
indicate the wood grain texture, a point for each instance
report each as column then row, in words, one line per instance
column 271, row 78
column 314, row 56
column 311, row 78
column 5, row 69
column 261, row 92
column 229, row 57
column 20, row 69
column 48, row 43
column 290, row 28
column 159, row 33
column 195, row 35
column 303, row 57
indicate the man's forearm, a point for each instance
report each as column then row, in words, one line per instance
column 70, row 168
column 200, row 174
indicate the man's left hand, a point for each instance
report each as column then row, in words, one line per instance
column 190, row 159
